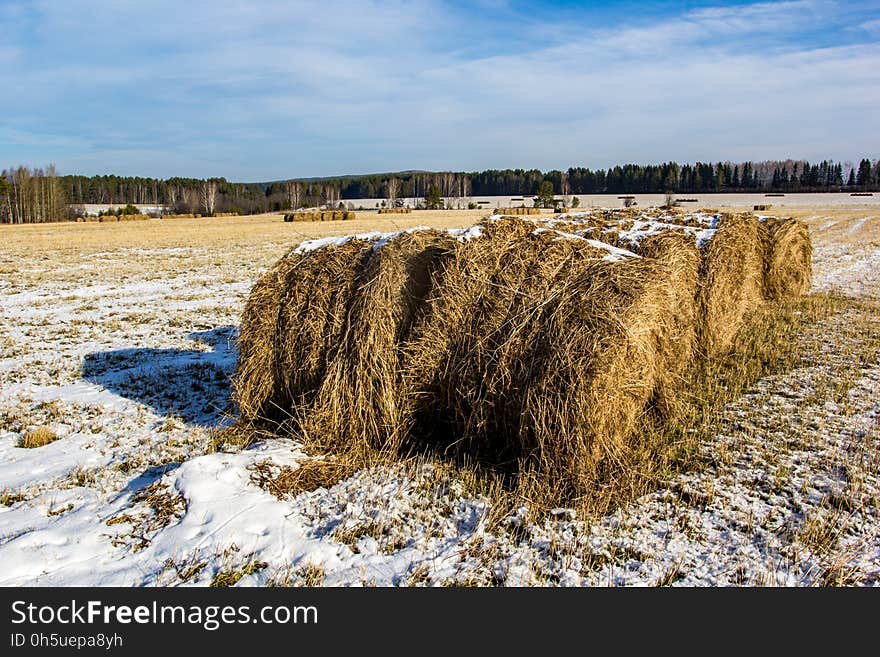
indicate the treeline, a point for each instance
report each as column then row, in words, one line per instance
column 40, row 194
column 31, row 196
column 185, row 194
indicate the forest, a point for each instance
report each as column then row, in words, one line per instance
column 29, row 195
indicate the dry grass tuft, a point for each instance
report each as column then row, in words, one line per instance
column 39, row 437
column 307, row 476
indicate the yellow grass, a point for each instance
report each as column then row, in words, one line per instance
column 244, row 232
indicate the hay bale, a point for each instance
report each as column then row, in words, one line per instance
column 540, row 351
column 731, row 281
column 787, row 259
column 361, row 400
column 254, row 384
column 291, row 328
column 507, row 344
column 108, row 218
column 680, row 254
column 522, row 210
column 614, row 333
column 312, row 315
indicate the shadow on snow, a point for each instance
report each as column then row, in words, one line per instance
column 190, row 384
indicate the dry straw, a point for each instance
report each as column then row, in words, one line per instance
column 291, row 329
column 731, row 281
column 320, row 215
column 361, row 400
column 533, row 351
column 787, row 258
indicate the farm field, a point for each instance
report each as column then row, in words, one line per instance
column 116, row 344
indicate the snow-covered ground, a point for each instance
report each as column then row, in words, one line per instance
column 124, row 355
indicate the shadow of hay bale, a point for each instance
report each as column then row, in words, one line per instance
column 190, row 384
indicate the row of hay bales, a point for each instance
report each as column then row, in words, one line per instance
column 321, row 215
column 395, row 210
column 185, row 215
column 520, row 211
column 112, row 218
column 512, row 343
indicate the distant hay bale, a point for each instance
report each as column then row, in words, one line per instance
column 362, row 400
column 522, row 210
column 108, row 218
column 395, row 210
column 349, row 215
column 787, row 259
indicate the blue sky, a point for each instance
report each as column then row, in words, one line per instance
column 271, row 89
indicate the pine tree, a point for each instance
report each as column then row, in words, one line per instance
column 433, row 200
column 864, row 177
column 545, row 194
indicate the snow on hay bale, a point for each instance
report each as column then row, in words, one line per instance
column 787, row 258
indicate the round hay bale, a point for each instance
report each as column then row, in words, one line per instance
column 361, row 400
column 496, row 359
column 311, row 317
column 610, row 337
column 681, row 256
column 731, row 281
column 787, row 259
column 289, row 330
column 254, row 387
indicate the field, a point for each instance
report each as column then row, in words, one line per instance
column 116, row 346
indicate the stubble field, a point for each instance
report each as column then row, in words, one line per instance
column 116, row 344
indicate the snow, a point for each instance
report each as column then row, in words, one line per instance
column 129, row 367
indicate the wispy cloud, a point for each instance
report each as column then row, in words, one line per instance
column 274, row 89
